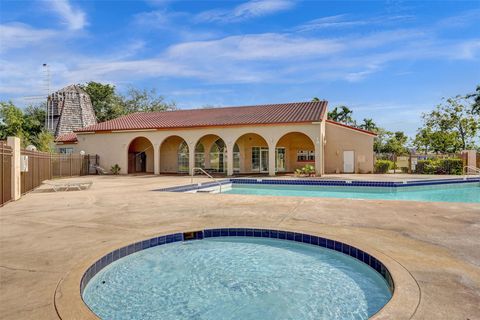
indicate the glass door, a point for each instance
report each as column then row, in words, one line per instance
column 280, row 159
column 264, row 160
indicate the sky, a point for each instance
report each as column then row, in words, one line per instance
column 386, row 60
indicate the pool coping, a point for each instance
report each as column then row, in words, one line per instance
column 314, row 182
column 405, row 298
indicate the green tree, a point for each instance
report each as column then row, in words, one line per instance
column 106, row 103
column 452, row 126
column 316, row 99
column 342, row 114
column 44, row 141
column 396, row 145
column 380, row 140
column 12, row 122
column 369, row 125
column 142, row 100
column 476, row 100
column 34, row 119
column 28, row 125
column 423, row 140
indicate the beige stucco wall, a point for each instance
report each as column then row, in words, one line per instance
column 169, row 152
column 339, row 139
column 293, row 142
column 113, row 147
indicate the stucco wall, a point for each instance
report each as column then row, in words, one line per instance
column 339, row 139
column 293, row 142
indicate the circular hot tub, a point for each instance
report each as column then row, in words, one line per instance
column 237, row 274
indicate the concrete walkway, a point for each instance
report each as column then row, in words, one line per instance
column 45, row 235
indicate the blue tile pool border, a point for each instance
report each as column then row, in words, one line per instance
column 311, row 182
column 330, row 244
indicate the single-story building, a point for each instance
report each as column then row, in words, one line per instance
column 269, row 139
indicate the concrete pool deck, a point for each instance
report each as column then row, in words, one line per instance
column 46, row 237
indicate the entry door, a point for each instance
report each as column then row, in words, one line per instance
column 348, row 161
column 140, row 162
column 263, row 160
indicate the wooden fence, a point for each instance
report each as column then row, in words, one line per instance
column 5, row 173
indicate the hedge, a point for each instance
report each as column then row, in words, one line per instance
column 439, row 166
column 382, row 166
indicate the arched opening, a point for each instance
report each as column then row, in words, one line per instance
column 174, row 155
column 211, row 154
column 250, row 154
column 293, row 151
column 140, row 156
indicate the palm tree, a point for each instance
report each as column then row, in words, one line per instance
column 369, row 125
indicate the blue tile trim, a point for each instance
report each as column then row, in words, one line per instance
column 239, row 232
column 307, row 182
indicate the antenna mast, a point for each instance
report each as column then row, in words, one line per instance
column 49, row 108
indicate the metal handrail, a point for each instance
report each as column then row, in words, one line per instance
column 468, row 168
column 208, row 175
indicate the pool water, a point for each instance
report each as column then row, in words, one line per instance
column 237, row 278
column 461, row 192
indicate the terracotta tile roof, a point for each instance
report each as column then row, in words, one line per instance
column 244, row 115
column 70, row 137
column 350, row 127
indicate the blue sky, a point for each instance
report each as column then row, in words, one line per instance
column 389, row 61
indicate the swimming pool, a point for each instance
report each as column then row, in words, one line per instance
column 459, row 192
column 241, row 277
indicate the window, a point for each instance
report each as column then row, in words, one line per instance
column 200, row 156
column 236, row 158
column 305, row 155
column 182, row 157
column 255, row 158
column 65, row 150
column 218, row 156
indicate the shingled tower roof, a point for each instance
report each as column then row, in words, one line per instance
column 71, row 110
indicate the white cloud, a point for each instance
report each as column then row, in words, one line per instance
column 267, row 46
column 244, row 11
column 341, row 22
column 18, row 35
column 250, row 58
column 74, row 18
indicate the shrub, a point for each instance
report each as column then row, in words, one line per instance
column 452, row 166
column 307, row 170
column 439, row 166
column 115, row 169
column 382, row 166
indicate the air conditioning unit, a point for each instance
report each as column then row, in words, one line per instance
column 23, row 163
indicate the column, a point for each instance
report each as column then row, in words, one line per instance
column 271, row 159
column 229, row 159
column 156, row 158
column 14, row 143
column 191, row 157
column 318, row 158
